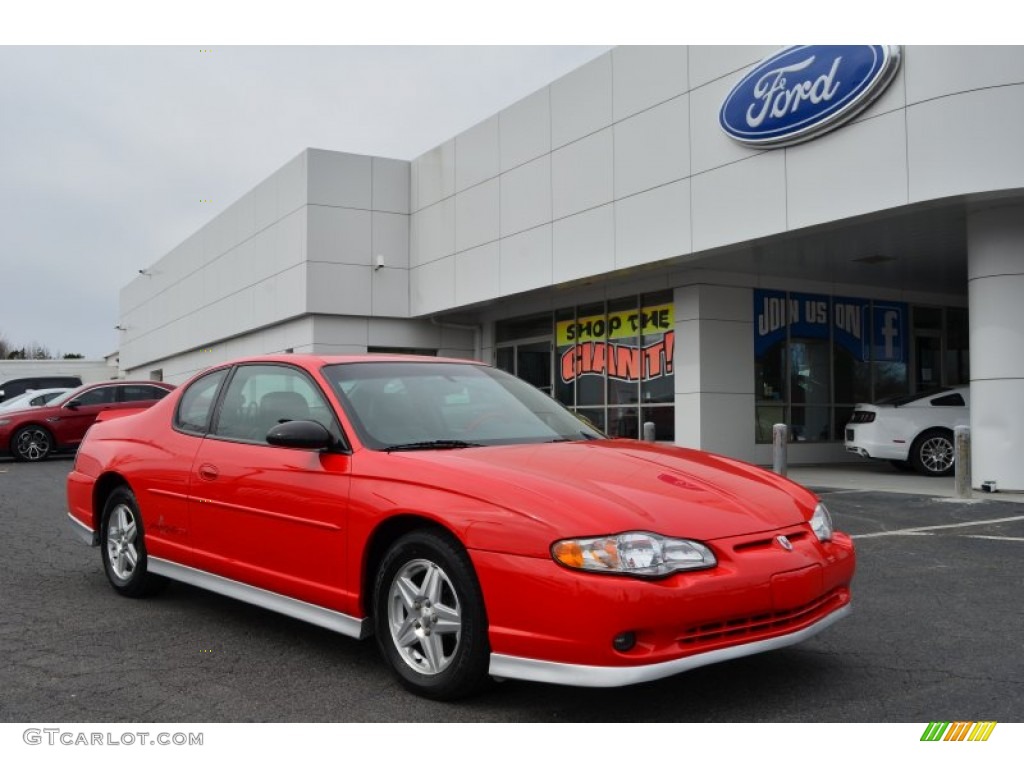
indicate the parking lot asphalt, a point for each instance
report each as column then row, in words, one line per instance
column 935, row 635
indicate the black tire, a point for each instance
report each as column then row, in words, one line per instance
column 902, row 466
column 439, row 612
column 123, row 547
column 31, row 443
column 932, row 453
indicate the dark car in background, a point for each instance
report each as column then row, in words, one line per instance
column 13, row 387
column 33, row 434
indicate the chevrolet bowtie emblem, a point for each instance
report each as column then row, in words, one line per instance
column 785, row 542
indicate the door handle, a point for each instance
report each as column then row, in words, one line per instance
column 208, row 472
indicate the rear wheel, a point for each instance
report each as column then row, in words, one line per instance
column 123, row 547
column 32, row 443
column 932, row 453
column 429, row 617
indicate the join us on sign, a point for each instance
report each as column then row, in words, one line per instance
column 779, row 311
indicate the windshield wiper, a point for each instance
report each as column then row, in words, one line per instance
column 427, row 445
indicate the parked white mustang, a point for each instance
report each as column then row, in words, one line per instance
column 911, row 430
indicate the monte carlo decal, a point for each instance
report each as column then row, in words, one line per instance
column 804, row 91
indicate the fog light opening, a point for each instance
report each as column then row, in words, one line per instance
column 624, row 641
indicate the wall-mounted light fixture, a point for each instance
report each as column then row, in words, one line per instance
column 145, row 272
column 379, row 263
column 120, row 328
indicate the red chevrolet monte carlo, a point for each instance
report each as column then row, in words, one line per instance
column 467, row 520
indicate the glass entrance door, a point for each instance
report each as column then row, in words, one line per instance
column 529, row 360
column 927, row 361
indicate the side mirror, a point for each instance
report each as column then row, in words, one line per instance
column 311, row 435
column 72, row 405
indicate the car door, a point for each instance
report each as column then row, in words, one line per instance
column 265, row 515
column 78, row 414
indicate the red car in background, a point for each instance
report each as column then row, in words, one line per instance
column 33, row 434
column 470, row 522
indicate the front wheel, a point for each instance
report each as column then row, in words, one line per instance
column 932, row 453
column 429, row 616
column 123, row 547
column 31, row 443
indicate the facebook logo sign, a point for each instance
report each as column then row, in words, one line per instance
column 890, row 332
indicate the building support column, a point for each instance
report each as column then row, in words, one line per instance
column 714, row 369
column 995, row 273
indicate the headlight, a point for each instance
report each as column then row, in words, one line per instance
column 821, row 523
column 633, row 554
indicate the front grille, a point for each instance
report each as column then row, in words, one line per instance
column 746, row 546
column 762, row 625
column 862, row 417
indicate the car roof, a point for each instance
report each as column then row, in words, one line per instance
column 315, row 361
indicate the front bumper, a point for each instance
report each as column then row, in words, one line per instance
column 610, row 677
column 549, row 623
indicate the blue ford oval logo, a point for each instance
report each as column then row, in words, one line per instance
column 804, row 91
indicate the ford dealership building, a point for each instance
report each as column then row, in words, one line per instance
column 711, row 238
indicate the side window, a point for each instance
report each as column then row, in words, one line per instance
column 949, row 400
column 262, row 396
column 196, row 404
column 98, row 396
column 131, row 393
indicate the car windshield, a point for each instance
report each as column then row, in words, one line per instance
column 407, row 405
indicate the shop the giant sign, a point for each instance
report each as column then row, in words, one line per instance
column 804, row 91
column 868, row 330
column 611, row 344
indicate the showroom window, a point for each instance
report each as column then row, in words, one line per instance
column 612, row 361
column 816, row 356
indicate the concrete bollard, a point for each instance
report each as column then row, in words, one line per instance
column 780, row 445
column 648, row 431
column 962, row 461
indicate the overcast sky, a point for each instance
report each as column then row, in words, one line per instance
column 106, row 152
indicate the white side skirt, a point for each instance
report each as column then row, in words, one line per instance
column 289, row 606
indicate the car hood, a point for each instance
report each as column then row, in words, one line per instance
column 609, row 486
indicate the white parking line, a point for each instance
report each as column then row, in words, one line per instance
column 995, row 538
column 903, row 531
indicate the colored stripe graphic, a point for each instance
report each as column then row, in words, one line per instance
column 959, row 731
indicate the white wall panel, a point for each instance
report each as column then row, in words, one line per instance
column 338, row 178
column 970, row 142
column 526, row 196
column 645, row 75
column 432, row 286
column 581, row 101
column 653, row 225
column 653, row 148
column 390, row 239
column 391, row 182
column 291, row 185
column 338, row 235
column 525, row 261
column 477, row 215
column 581, row 174
column 940, row 70
column 857, row 169
column 432, row 233
column 525, row 130
column 584, row 244
column 709, row 146
column 711, row 62
column 436, row 174
column 390, row 292
column 476, row 274
column 740, row 201
column 477, row 154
